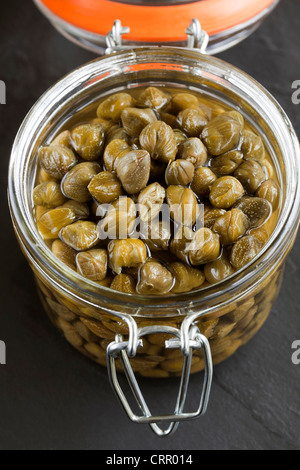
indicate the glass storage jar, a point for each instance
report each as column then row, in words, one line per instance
column 172, row 335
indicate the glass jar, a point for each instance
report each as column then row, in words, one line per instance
column 177, row 334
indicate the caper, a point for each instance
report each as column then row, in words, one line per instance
column 120, row 219
column 227, row 163
column 202, row 181
column 124, row 283
column 154, row 98
column 222, row 133
column 244, row 250
column 112, row 107
column 134, row 120
column 159, row 140
column 169, row 119
column 92, row 264
column 105, row 187
column 252, row 146
column 211, row 214
column 80, row 209
column 270, row 191
column 150, row 201
column 180, row 136
column 181, row 243
column 186, row 277
column 225, row 191
column 106, row 124
column 183, row 205
column 204, row 247
column 133, row 170
column 115, row 149
column 194, row 151
column 231, row 226
column 64, row 139
column 192, row 121
column 57, row 160
column 48, row 194
column 157, row 234
column 80, row 236
column 126, row 253
column 44, row 177
column 117, row 133
column 257, row 210
column 181, row 101
column 64, row 253
column 51, row 223
column 88, row 140
column 75, row 183
column 218, row 270
column 179, row 172
column 154, row 279
column 251, row 175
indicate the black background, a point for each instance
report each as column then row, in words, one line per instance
column 53, row 398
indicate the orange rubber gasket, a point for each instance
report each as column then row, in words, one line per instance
column 170, row 22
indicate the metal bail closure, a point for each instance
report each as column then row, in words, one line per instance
column 197, row 38
column 119, row 349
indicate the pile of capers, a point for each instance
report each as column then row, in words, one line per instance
column 158, row 147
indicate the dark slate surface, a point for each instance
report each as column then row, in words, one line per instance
column 53, row 398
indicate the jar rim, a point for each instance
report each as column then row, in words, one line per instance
column 41, row 257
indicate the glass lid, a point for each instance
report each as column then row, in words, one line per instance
column 154, row 22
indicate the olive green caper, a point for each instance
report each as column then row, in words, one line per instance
column 257, row 210
column 106, row 124
column 251, row 175
column 119, row 220
column 192, row 121
column 244, row 250
column 252, row 146
column 127, row 253
column 150, row 201
column 227, row 163
column 133, row 170
column 194, row 151
column 134, row 120
column 211, row 214
column 179, row 136
column 112, row 107
column 218, row 270
column 57, row 160
column 50, row 223
column 179, row 172
column 231, row 226
column 64, row 253
column 48, row 194
column 80, row 236
column 181, row 243
column 115, row 149
column 116, row 133
column 270, row 191
column 186, row 277
column 183, row 205
column 88, row 141
column 154, row 98
column 222, row 134
column 92, row 264
column 202, row 181
column 75, row 183
column 154, row 279
column 105, row 187
column 156, row 234
column 124, row 283
column 159, row 140
column 225, row 191
column 181, row 101
column 80, row 209
column 204, row 247
column 63, row 138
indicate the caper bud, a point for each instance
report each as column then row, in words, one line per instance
column 133, row 170
column 192, row 121
column 129, row 253
column 252, row 146
column 231, row 226
column 270, row 191
column 202, row 181
column 183, row 205
column 80, row 209
column 154, row 98
column 112, row 107
column 105, row 187
column 48, row 194
column 157, row 234
column 115, row 149
column 181, row 101
column 227, row 163
column 205, row 247
column 222, row 133
column 154, row 279
column 186, row 277
column 169, row 119
column 134, row 120
column 181, row 243
column 124, row 283
column 194, row 151
column 150, row 201
column 44, row 177
column 244, row 250
column 120, row 219
column 57, row 160
column 179, row 136
column 64, row 253
column 179, row 172
column 88, row 140
column 64, row 139
column 211, row 214
column 80, row 236
column 106, row 124
column 251, row 175
column 218, row 270
column 159, row 140
column 51, row 223
column 75, row 184
column 92, row 264
column 117, row 133
column 257, row 210
column 225, row 191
